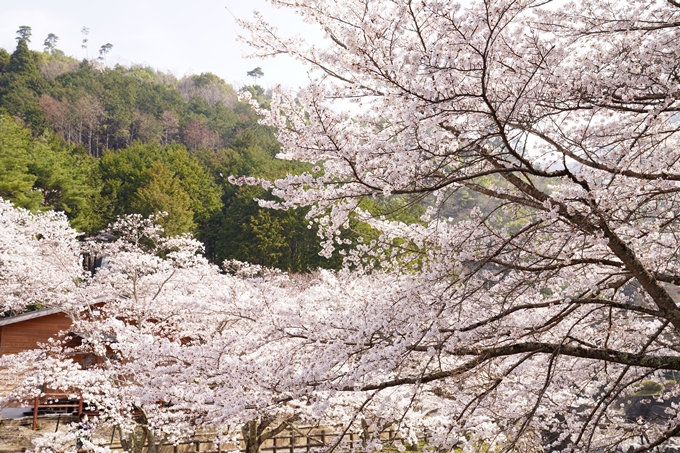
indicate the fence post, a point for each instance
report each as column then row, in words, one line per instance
column 292, row 442
column 274, row 444
column 36, row 403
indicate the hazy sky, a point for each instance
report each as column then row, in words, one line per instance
column 181, row 37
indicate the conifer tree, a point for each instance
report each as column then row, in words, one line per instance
column 22, row 62
column 16, row 183
column 163, row 193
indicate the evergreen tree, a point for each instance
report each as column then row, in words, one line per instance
column 19, row 101
column 20, row 86
column 42, row 174
column 4, row 60
column 16, row 183
column 126, row 171
column 25, row 32
column 163, row 192
column 68, row 181
column 50, row 43
column 266, row 244
column 22, row 61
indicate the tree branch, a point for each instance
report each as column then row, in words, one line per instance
column 484, row 354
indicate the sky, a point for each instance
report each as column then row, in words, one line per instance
column 181, row 37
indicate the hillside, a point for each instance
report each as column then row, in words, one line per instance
column 96, row 142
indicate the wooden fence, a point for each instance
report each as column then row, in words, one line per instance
column 300, row 440
column 286, row 442
column 55, row 401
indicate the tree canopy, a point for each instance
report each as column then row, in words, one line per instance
column 540, row 315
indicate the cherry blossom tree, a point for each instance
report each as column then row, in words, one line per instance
column 39, row 259
column 538, row 320
column 541, row 313
column 178, row 345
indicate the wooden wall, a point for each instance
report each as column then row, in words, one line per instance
column 27, row 334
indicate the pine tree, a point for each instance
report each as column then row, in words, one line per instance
column 22, row 62
column 16, row 183
column 20, row 86
column 163, row 193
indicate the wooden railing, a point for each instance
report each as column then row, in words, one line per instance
column 44, row 402
column 301, row 440
column 286, row 442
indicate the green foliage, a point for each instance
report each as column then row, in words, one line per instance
column 24, row 33
column 67, row 180
column 126, row 172
column 267, row 241
column 40, row 173
column 201, row 188
column 50, row 43
column 274, row 238
column 135, row 103
column 105, row 49
column 4, row 60
column 19, row 101
column 20, row 85
column 16, row 183
column 258, row 93
column 207, row 79
column 650, row 388
column 22, row 62
column 162, row 192
column 256, row 73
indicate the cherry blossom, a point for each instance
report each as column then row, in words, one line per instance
column 536, row 319
column 538, row 314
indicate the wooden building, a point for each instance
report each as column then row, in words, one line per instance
column 23, row 332
column 26, row 331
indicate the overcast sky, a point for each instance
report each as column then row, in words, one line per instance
column 182, row 37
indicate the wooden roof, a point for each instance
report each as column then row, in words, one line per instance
column 39, row 313
column 30, row 315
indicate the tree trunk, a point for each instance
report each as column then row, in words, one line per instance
column 254, row 434
column 250, row 437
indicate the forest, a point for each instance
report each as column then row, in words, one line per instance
column 97, row 142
